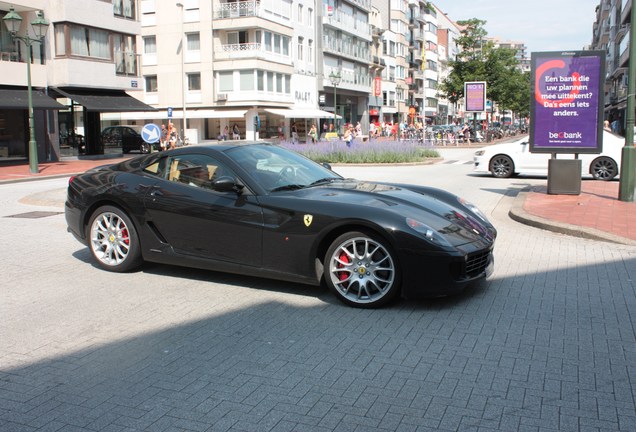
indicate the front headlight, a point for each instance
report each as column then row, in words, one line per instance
column 429, row 233
column 480, row 152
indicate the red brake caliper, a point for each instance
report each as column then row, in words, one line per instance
column 344, row 258
column 124, row 234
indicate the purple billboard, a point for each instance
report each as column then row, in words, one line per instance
column 566, row 109
column 475, row 96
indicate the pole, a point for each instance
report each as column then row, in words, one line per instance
column 335, row 125
column 33, row 145
column 183, row 77
column 628, row 156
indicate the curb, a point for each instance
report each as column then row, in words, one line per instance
column 518, row 214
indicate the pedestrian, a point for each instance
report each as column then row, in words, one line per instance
column 236, row 133
column 348, row 135
column 172, row 136
column 226, row 133
column 163, row 140
column 466, row 133
column 606, row 126
column 294, row 132
column 313, row 133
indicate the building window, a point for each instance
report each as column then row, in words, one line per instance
column 300, row 13
column 125, row 9
column 310, row 17
column 151, row 83
column 60, row 40
column 150, row 44
column 193, row 41
column 194, row 81
column 125, row 52
column 226, row 81
column 300, row 47
column 89, row 42
column 247, row 80
column 310, row 51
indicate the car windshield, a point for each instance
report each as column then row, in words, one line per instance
column 277, row 169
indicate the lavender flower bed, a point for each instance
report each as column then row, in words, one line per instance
column 374, row 151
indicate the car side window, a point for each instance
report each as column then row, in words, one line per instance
column 197, row 170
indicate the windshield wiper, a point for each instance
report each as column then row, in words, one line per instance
column 321, row 181
column 288, row 187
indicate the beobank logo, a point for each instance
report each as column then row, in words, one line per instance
column 565, row 135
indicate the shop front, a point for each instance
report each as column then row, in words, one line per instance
column 14, row 123
column 80, row 124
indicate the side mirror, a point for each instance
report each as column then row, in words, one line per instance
column 326, row 165
column 226, row 184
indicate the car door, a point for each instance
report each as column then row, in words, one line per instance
column 199, row 221
column 528, row 162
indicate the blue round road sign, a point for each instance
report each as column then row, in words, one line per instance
column 151, row 133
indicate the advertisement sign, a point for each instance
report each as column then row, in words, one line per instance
column 475, row 96
column 377, row 86
column 566, row 110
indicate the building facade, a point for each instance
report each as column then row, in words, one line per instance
column 86, row 64
column 611, row 33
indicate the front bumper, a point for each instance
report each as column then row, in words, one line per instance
column 444, row 274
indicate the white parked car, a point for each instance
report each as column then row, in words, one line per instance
column 508, row 159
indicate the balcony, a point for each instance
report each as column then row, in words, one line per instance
column 337, row 47
column 250, row 14
column 249, row 51
column 349, row 24
column 237, row 10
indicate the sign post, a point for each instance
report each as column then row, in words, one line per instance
column 475, row 99
column 566, row 112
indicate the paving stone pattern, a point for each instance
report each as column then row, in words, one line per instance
column 547, row 344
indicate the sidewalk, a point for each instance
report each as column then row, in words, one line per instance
column 596, row 213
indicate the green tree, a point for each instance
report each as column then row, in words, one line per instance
column 479, row 60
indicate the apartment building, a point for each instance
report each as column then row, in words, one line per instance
column 84, row 67
column 447, row 34
column 611, row 33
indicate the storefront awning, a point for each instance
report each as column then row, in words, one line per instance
column 104, row 100
column 176, row 114
column 301, row 113
column 19, row 99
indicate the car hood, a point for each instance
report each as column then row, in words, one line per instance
column 435, row 208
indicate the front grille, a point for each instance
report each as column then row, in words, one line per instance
column 476, row 263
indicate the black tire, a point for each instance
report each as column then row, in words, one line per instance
column 501, row 166
column 603, row 168
column 113, row 240
column 144, row 148
column 362, row 270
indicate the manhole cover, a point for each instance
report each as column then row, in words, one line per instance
column 35, row 214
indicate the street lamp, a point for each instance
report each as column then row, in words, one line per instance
column 335, row 80
column 183, row 85
column 40, row 27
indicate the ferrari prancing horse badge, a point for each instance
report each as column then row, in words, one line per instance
column 307, row 219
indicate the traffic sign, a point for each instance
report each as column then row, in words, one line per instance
column 169, row 112
column 151, row 133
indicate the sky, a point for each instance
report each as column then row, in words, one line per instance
column 543, row 25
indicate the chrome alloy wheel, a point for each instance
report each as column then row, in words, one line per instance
column 362, row 271
column 110, row 239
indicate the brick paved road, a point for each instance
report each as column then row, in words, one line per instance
column 547, row 344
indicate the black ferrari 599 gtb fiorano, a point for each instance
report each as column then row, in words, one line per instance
column 261, row 210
